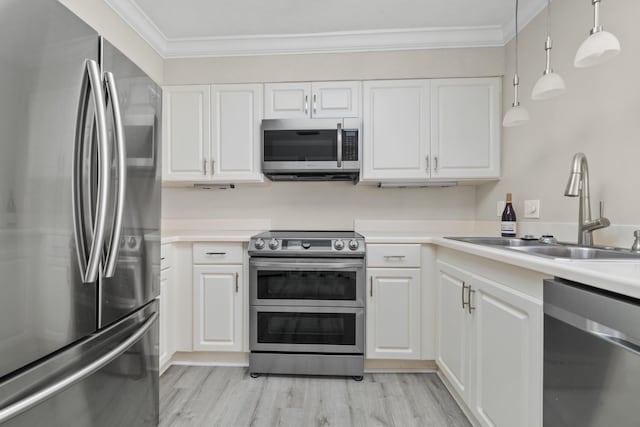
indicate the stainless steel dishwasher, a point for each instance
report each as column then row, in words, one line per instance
column 591, row 357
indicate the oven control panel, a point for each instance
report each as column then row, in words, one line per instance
column 268, row 244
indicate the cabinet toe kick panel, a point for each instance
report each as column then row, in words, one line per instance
column 306, row 364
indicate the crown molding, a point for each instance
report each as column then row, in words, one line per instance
column 345, row 41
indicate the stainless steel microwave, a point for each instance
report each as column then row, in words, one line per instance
column 311, row 149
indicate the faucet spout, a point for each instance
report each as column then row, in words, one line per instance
column 578, row 186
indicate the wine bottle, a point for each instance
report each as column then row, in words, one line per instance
column 508, row 226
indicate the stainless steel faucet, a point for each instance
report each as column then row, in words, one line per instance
column 578, row 185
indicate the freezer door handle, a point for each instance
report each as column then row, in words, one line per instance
column 121, row 152
column 90, row 262
column 44, row 394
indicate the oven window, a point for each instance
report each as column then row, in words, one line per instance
column 307, row 328
column 307, row 285
column 300, row 146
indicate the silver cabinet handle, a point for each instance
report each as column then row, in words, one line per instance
column 371, row 287
column 315, row 110
column 90, row 263
column 427, row 163
column 471, row 292
column 398, row 257
column 464, row 287
column 204, row 167
column 435, row 163
column 215, row 253
column 213, row 169
column 339, row 142
column 121, row 150
column 237, row 282
column 306, row 105
column 162, row 258
column 36, row 398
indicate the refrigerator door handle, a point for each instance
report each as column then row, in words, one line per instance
column 90, row 263
column 120, row 144
column 44, row 394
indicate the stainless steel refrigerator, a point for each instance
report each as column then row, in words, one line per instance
column 79, row 225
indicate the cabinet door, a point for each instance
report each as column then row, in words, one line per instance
column 287, row 100
column 236, row 112
column 452, row 349
column 465, row 128
column 165, row 318
column 335, row 99
column 396, row 130
column 217, row 308
column 393, row 314
column 186, row 123
column 507, row 363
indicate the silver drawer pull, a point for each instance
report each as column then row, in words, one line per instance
column 215, row 253
column 398, row 257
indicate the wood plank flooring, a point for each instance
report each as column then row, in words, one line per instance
column 224, row 396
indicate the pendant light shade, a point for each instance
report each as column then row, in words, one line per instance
column 599, row 47
column 517, row 114
column 550, row 84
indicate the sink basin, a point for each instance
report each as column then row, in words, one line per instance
column 577, row 252
column 552, row 250
column 497, row 241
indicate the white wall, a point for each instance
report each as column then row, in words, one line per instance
column 319, row 205
column 599, row 115
column 327, row 205
column 105, row 21
column 340, row 66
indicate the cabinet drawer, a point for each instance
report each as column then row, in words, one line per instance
column 216, row 253
column 393, row 255
column 166, row 256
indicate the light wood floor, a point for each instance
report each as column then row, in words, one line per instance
column 222, row 396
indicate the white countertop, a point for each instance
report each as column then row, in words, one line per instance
column 621, row 276
column 174, row 236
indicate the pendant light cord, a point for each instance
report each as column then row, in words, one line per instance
column 516, row 37
column 548, row 18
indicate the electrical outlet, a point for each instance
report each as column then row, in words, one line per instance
column 500, row 207
column 532, row 208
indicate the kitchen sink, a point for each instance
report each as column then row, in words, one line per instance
column 497, row 241
column 578, row 252
column 552, row 250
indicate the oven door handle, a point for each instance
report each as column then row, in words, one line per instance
column 299, row 265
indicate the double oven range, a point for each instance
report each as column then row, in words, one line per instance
column 307, row 303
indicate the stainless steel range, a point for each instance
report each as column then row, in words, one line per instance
column 307, row 303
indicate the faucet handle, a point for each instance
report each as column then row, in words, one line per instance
column 636, row 244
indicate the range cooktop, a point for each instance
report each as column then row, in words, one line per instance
column 285, row 243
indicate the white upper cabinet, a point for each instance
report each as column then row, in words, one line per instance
column 396, row 130
column 307, row 100
column 465, row 128
column 440, row 129
column 236, row 112
column 212, row 133
column 186, row 124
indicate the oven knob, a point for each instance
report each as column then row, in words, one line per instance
column 273, row 244
column 339, row 245
column 306, row 245
column 132, row 242
column 353, row 245
column 259, row 243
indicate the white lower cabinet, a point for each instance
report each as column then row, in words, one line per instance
column 490, row 347
column 167, row 313
column 217, row 307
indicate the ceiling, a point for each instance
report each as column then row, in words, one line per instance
column 179, row 28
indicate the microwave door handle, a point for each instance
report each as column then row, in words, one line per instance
column 339, row 142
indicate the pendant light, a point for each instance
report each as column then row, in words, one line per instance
column 600, row 46
column 550, row 84
column 517, row 114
